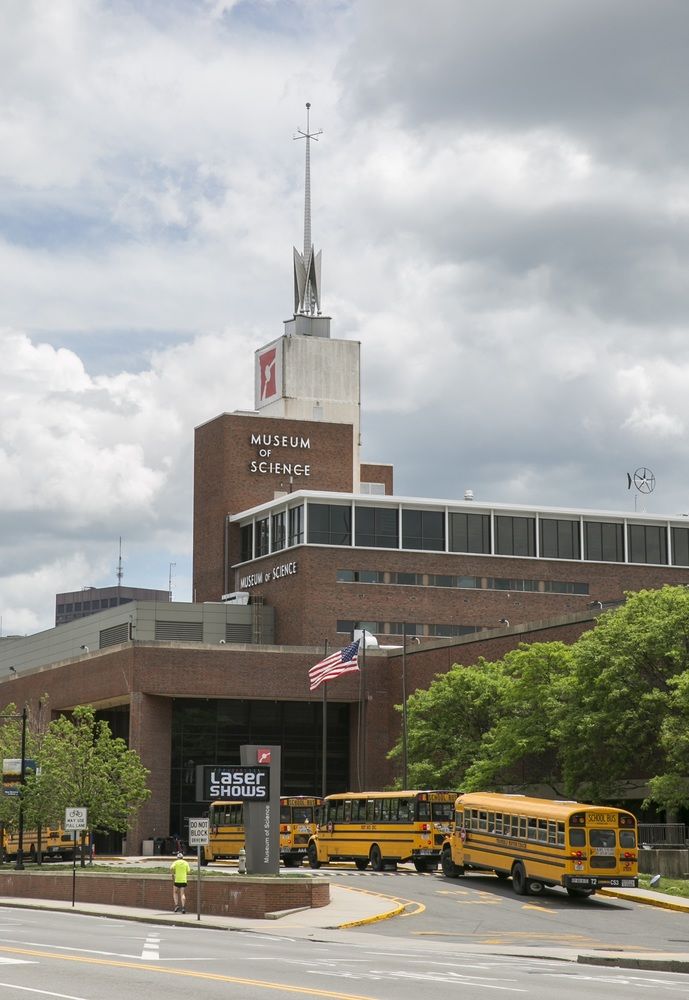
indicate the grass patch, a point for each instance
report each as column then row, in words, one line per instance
column 671, row 886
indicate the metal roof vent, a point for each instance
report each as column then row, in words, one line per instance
column 468, row 494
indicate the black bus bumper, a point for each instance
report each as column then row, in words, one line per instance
column 600, row 882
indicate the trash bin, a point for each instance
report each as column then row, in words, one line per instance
column 147, row 848
column 159, row 845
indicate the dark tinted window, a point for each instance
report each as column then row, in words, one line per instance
column 469, row 532
column 423, row 529
column 377, row 527
column 559, row 539
column 279, row 531
column 647, row 543
column 515, row 536
column 604, row 541
column 295, row 522
column 330, row 524
column 246, row 542
column 680, row 546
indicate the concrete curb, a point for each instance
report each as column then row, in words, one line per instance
column 650, row 964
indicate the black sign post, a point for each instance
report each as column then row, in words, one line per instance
column 262, row 815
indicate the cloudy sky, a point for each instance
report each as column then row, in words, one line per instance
column 501, row 196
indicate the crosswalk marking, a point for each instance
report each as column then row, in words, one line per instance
column 151, row 948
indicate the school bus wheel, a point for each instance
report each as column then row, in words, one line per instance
column 376, row 858
column 519, row 883
column 312, row 854
column 450, row 869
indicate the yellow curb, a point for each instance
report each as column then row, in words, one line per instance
column 661, row 903
column 400, row 908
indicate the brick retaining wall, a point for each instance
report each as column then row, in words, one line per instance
column 234, row 896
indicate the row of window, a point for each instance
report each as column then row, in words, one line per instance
column 348, row 625
column 455, row 531
column 111, row 602
column 463, row 582
column 394, row 810
column 544, row 831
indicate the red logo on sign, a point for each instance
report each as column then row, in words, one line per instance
column 263, row 756
column 268, row 373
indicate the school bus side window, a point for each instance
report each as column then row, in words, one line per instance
column 498, row 822
column 385, row 814
column 424, row 811
column 577, row 838
column 347, row 811
column 560, row 834
column 369, row 810
column 339, row 812
column 377, row 806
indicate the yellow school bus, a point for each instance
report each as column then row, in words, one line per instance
column 54, row 843
column 298, row 816
column 383, row 828
column 226, row 829
column 542, row 842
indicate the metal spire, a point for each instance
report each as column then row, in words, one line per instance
column 307, row 266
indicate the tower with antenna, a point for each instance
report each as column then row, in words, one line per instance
column 306, row 374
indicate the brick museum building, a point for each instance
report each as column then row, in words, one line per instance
column 297, row 542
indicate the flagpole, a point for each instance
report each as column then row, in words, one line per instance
column 325, row 731
column 363, row 711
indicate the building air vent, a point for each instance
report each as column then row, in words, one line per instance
column 114, row 635
column 238, row 631
column 179, row 631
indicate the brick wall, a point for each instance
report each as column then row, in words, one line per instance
column 225, row 483
column 234, row 896
column 309, row 603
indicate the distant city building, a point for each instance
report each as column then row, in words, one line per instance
column 90, row 600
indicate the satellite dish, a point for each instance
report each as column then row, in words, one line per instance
column 644, row 480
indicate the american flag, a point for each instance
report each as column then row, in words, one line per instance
column 344, row 661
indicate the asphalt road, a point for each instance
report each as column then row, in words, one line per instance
column 482, row 910
column 463, row 938
column 74, row 957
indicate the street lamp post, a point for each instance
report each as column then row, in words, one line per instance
column 19, row 864
column 404, row 706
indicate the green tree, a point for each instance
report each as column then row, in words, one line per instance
column 82, row 764
column 522, row 744
column 446, row 723
column 625, row 685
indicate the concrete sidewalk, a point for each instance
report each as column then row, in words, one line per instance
column 347, row 908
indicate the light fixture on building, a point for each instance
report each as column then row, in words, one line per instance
column 85, row 649
column 13, row 671
column 504, row 621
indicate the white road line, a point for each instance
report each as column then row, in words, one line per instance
column 45, row 993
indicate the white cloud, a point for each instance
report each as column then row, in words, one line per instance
column 503, row 218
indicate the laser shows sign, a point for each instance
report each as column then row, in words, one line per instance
column 241, row 783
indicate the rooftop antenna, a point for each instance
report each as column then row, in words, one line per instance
column 307, row 266
column 120, row 572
